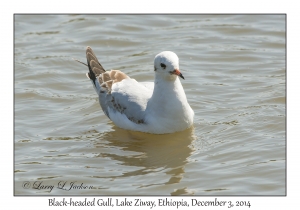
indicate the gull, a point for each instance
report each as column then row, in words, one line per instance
column 157, row 107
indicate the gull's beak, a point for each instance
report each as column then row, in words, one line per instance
column 178, row 73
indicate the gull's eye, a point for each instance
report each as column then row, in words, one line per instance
column 163, row 65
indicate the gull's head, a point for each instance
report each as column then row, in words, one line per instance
column 166, row 64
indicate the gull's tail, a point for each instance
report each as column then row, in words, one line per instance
column 95, row 68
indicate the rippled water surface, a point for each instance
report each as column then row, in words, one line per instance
column 234, row 69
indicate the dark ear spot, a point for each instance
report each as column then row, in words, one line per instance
column 163, row 65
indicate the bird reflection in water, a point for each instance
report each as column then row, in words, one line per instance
column 148, row 153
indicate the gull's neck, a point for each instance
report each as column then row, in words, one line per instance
column 167, row 94
column 170, row 86
column 168, row 108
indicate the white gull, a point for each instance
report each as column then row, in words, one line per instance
column 154, row 107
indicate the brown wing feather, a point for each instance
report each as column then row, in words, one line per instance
column 95, row 67
column 107, row 78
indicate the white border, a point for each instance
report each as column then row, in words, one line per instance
column 154, row 6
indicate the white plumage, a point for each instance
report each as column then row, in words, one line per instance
column 159, row 107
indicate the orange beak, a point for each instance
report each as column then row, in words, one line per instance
column 178, row 73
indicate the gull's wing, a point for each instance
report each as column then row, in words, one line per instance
column 128, row 98
column 95, row 68
column 118, row 93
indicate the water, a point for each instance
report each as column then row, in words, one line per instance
column 235, row 81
